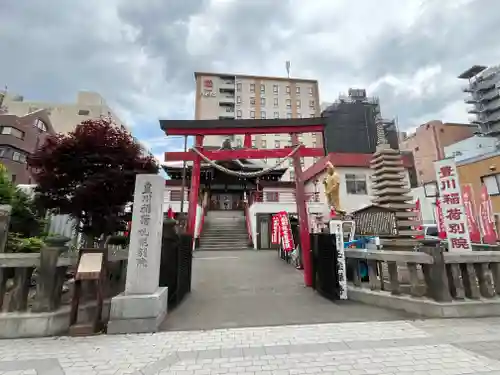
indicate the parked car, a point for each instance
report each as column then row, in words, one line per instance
column 431, row 232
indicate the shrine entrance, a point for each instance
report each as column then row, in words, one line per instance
column 228, row 162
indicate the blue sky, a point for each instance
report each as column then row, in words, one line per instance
column 141, row 55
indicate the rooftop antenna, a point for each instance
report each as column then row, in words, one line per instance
column 288, row 68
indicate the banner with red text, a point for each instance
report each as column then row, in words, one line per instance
column 455, row 218
column 486, row 218
column 276, row 231
column 470, row 211
column 440, row 220
column 418, row 213
column 286, row 232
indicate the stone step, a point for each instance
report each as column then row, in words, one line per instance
column 223, row 241
column 224, row 249
column 225, row 246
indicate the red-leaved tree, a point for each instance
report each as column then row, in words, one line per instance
column 89, row 174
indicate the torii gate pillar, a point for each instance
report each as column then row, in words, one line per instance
column 194, row 191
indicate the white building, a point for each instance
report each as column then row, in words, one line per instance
column 64, row 116
column 229, row 96
column 471, row 147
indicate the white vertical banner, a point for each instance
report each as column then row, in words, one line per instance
column 336, row 228
column 452, row 205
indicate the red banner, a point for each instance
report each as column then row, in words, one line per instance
column 286, row 232
column 470, row 212
column 440, row 220
column 276, row 230
column 419, row 228
column 486, row 218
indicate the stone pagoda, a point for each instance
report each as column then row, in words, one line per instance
column 391, row 192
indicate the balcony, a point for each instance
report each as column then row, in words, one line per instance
column 226, row 99
column 227, row 84
column 467, row 89
column 226, row 110
column 471, row 100
column 493, row 94
column 473, row 110
column 492, row 106
column 483, row 85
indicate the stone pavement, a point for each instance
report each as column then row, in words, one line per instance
column 257, row 288
column 399, row 347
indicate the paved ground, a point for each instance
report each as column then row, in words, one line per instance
column 440, row 347
column 256, row 288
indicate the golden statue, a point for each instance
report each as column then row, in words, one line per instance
column 332, row 187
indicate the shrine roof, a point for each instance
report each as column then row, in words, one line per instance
column 165, row 125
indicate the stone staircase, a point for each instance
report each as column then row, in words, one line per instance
column 224, row 230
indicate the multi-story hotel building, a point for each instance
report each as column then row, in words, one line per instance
column 229, row 96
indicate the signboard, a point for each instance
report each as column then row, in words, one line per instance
column 208, row 84
column 455, row 219
column 90, row 266
column 282, row 231
column 336, row 228
column 418, row 213
column 208, row 94
column 440, row 220
column 486, row 217
column 275, row 235
column 470, row 211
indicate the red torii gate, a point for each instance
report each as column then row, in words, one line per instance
column 294, row 127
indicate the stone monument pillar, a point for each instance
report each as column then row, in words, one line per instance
column 143, row 305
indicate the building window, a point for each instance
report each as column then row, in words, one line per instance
column 262, row 88
column 263, row 101
column 276, row 115
column 17, row 156
column 84, row 112
column 276, row 144
column 252, row 100
column 252, row 87
column 288, row 89
column 238, row 86
column 298, row 103
column 13, row 178
column 314, row 144
column 9, row 130
column 302, row 161
column 288, row 115
column 40, row 125
column 312, row 114
column 276, row 102
column 297, row 90
column 272, row 196
column 292, row 175
column 311, row 103
column 262, row 114
column 355, row 184
column 275, row 89
column 254, row 143
column 238, row 142
column 239, row 113
column 263, row 143
column 492, row 183
column 299, row 115
column 315, row 159
column 238, row 99
column 289, row 103
column 252, row 114
column 311, row 91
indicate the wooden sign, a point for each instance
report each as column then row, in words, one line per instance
column 91, row 267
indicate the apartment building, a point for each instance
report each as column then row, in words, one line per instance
column 428, row 142
column 229, row 96
column 19, row 137
column 64, row 116
column 484, row 97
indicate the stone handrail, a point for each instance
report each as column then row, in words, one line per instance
column 430, row 272
column 17, row 293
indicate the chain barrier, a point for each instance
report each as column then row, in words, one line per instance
column 246, row 174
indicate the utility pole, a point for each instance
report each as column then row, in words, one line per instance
column 183, row 175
